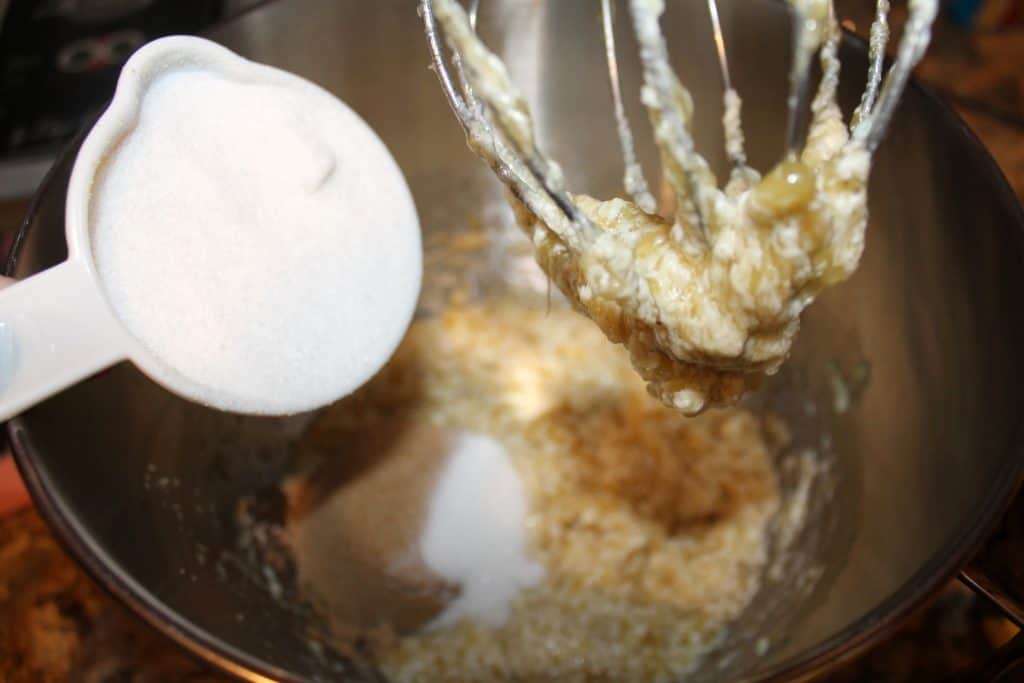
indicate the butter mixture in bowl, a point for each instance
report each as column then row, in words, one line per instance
column 574, row 528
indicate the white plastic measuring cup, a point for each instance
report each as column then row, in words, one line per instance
column 58, row 326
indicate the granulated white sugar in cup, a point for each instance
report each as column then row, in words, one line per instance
column 251, row 231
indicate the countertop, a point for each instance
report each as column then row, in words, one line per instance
column 56, row 625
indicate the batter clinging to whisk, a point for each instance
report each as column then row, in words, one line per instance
column 708, row 300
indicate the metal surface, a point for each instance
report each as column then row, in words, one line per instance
column 145, row 488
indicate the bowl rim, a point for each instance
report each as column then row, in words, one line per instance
column 847, row 644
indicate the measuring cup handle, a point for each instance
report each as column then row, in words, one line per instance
column 56, row 329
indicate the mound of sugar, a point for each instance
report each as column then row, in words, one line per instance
column 475, row 532
column 256, row 236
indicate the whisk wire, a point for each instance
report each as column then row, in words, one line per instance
column 719, row 38
column 879, row 38
column 663, row 98
column 797, row 123
column 523, row 167
column 916, row 35
column 730, row 98
column 824, row 102
column 495, row 117
column 633, row 178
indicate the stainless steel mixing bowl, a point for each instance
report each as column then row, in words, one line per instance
column 144, row 488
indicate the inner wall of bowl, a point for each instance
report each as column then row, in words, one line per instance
column 175, row 505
